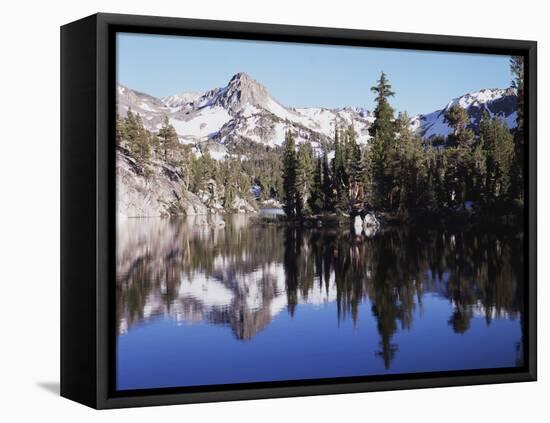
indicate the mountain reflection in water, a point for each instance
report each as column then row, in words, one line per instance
column 227, row 272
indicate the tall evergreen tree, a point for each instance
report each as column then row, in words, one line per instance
column 518, row 74
column 497, row 144
column 354, row 169
column 137, row 138
column 367, row 179
column 168, row 138
column 289, row 175
column 460, row 159
column 383, row 125
column 431, row 181
column 304, row 177
column 340, row 176
column 316, row 202
column 120, row 134
column 155, row 144
column 438, row 172
column 409, row 169
column 203, row 168
column 383, row 132
column 457, row 118
column 327, row 183
column 186, row 164
column 488, row 166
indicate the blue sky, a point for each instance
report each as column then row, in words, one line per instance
column 301, row 75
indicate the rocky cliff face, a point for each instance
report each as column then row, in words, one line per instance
column 159, row 192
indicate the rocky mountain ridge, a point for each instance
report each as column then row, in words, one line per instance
column 243, row 111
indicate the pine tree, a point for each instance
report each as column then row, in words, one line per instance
column 304, row 177
column 518, row 73
column 438, row 175
column 131, row 126
column 367, row 179
column 316, row 202
column 243, row 183
column 229, row 197
column 155, row 144
column 186, row 164
column 452, row 179
column 168, row 139
column 354, row 169
column 431, row 181
column 460, row 156
column 505, row 158
column 497, row 144
column 405, row 166
column 197, row 175
column 203, row 168
column 478, row 172
column 457, row 118
column 489, row 165
column 383, row 132
column 138, row 138
column 339, row 178
column 120, row 129
column 378, row 171
column 327, row 183
column 383, row 125
column 289, row 175
column 517, row 68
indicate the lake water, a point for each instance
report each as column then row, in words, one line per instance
column 219, row 300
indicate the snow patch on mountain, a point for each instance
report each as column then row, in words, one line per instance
column 201, row 125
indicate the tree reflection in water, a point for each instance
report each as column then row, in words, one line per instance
column 242, row 275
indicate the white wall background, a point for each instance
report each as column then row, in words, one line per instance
column 29, row 221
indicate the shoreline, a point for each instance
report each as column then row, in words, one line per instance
column 459, row 218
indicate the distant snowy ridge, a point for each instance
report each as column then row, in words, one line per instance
column 180, row 100
column 498, row 102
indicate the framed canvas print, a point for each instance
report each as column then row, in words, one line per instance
column 254, row 211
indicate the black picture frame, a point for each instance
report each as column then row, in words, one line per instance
column 88, row 219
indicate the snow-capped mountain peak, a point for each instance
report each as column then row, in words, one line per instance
column 240, row 93
column 496, row 102
column 480, row 97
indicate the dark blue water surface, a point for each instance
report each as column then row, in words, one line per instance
column 229, row 301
